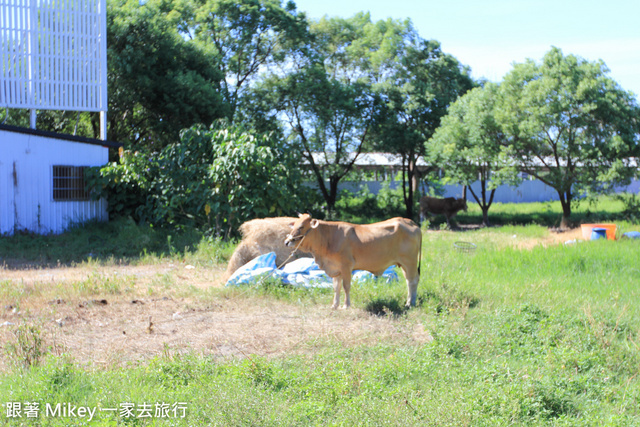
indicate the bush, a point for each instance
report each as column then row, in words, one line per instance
column 125, row 184
column 366, row 207
column 213, row 179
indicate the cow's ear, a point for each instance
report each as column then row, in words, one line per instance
column 299, row 215
column 315, row 223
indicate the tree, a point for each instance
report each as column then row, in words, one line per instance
column 214, row 179
column 159, row 83
column 468, row 143
column 70, row 122
column 417, row 92
column 570, row 125
column 326, row 97
column 247, row 37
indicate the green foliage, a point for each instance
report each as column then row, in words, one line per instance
column 328, row 100
column 159, row 81
column 421, row 84
column 69, row 122
column 246, row 36
column 252, row 178
column 28, row 347
column 124, row 184
column 467, row 146
column 631, row 206
column 214, row 179
column 568, row 115
column 365, row 207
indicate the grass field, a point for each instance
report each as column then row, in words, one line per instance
column 523, row 330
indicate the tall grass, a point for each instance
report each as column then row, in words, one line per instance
column 600, row 274
column 119, row 241
column 520, row 335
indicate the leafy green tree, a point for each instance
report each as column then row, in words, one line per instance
column 247, row 36
column 159, row 83
column 417, row 91
column 327, row 98
column 570, row 125
column 252, row 176
column 214, row 178
column 69, row 122
column 468, row 143
column 126, row 184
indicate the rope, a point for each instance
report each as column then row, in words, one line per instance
column 293, row 252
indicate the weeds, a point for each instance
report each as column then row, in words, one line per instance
column 546, row 335
column 28, row 347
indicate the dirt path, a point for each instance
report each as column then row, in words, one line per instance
column 169, row 309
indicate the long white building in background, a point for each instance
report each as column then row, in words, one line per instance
column 385, row 167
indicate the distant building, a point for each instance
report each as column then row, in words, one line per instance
column 385, row 167
column 42, row 186
column 53, row 56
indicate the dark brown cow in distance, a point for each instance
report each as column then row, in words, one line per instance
column 448, row 207
column 340, row 247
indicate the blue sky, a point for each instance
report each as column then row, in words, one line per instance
column 490, row 35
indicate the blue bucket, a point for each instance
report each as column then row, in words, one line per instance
column 598, row 233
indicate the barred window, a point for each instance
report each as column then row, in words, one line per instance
column 68, row 183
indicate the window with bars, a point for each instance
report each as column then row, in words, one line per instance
column 68, row 183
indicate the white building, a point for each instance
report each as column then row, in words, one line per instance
column 42, row 180
column 52, row 57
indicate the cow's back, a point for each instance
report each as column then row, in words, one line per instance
column 377, row 246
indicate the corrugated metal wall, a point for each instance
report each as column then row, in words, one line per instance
column 527, row 191
column 26, row 183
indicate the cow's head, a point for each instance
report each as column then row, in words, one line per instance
column 461, row 204
column 300, row 228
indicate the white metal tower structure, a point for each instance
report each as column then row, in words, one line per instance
column 53, row 56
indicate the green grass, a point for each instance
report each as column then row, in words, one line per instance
column 119, row 241
column 546, row 335
column 595, row 273
column 603, row 209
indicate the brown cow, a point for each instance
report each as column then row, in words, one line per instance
column 341, row 247
column 259, row 237
column 447, row 207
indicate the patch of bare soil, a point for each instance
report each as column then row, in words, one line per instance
column 121, row 329
column 555, row 237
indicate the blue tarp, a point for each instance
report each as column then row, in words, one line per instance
column 632, row 234
column 301, row 272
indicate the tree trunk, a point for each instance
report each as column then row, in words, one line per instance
column 484, row 203
column 565, row 202
column 409, row 183
column 332, row 195
column 411, row 169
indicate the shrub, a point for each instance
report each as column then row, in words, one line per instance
column 366, row 207
column 125, row 184
column 213, row 178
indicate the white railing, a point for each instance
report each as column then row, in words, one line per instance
column 53, row 54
